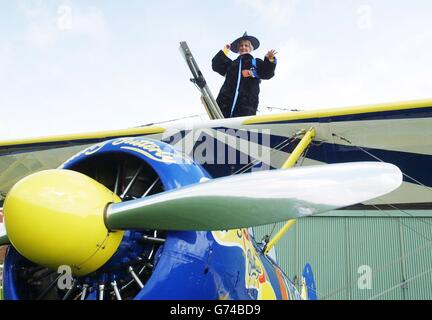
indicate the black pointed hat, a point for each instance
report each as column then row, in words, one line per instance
column 235, row 45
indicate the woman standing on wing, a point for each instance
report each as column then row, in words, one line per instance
column 239, row 95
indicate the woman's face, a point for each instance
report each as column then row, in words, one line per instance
column 245, row 47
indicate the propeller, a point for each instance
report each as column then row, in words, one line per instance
column 62, row 217
column 258, row 198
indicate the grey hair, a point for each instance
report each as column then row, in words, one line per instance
column 250, row 44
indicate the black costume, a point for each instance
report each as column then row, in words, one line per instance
column 248, row 92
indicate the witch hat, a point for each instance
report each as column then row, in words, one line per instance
column 235, row 45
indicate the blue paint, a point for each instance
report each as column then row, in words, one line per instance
column 310, row 282
column 190, row 265
column 238, row 87
column 182, row 170
column 10, row 288
column 415, row 165
column 414, row 113
column 222, row 167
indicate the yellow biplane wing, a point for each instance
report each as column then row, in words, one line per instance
column 397, row 133
column 19, row 158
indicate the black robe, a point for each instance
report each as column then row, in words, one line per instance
column 247, row 100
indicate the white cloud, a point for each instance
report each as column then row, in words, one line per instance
column 308, row 77
column 32, row 8
column 293, row 57
column 365, row 17
column 6, row 55
column 48, row 24
column 42, row 34
column 6, row 47
column 273, row 11
column 324, row 64
column 90, row 22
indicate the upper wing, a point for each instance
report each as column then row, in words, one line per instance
column 398, row 133
column 19, row 158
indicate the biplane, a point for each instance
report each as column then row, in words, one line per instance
column 165, row 211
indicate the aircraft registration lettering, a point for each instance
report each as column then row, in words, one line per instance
column 255, row 273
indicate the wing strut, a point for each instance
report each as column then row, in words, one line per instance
column 291, row 161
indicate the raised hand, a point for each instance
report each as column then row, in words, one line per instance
column 271, row 54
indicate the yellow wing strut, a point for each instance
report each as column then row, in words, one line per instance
column 298, row 151
column 291, row 161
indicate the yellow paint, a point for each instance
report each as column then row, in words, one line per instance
column 323, row 113
column 304, row 290
column 292, row 160
column 300, row 148
column 255, row 274
column 86, row 136
column 266, row 292
column 55, row 217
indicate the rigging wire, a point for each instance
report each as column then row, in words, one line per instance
column 420, row 248
column 172, row 120
column 285, row 143
column 279, row 147
column 377, row 158
column 404, row 174
column 404, row 256
column 401, row 284
column 282, row 109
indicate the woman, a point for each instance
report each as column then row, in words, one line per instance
column 238, row 96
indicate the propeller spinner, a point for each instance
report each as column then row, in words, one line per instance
column 55, row 218
column 62, row 217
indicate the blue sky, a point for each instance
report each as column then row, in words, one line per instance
column 74, row 66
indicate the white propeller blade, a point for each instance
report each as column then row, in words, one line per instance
column 257, row 198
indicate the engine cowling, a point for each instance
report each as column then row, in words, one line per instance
column 130, row 168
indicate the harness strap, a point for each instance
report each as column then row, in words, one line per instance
column 238, row 87
column 255, row 72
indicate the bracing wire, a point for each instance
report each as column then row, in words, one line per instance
column 420, row 248
column 404, row 174
column 377, row 158
column 401, row 284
